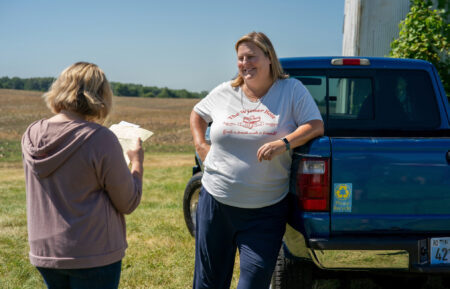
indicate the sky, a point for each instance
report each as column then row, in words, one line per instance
column 167, row 43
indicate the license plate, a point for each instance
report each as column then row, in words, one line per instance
column 440, row 251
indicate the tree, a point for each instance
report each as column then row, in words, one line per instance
column 122, row 90
column 444, row 4
column 425, row 35
column 165, row 93
column 17, row 83
column 148, row 94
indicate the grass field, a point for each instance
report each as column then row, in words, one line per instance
column 161, row 251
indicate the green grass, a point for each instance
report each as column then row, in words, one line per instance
column 160, row 253
column 10, row 151
column 15, row 270
column 168, row 148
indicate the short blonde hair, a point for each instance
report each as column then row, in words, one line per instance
column 81, row 88
column 263, row 42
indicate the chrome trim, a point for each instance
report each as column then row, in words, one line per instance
column 345, row 259
column 361, row 259
column 295, row 243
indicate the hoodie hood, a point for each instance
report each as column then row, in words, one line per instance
column 47, row 145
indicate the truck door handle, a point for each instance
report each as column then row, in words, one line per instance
column 448, row 156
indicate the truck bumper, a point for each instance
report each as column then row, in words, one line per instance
column 409, row 254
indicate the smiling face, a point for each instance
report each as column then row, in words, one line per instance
column 253, row 64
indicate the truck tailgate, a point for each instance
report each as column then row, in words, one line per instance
column 390, row 185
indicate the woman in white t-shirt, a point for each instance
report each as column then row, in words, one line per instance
column 257, row 119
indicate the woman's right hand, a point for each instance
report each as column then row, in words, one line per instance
column 136, row 157
column 198, row 128
column 202, row 150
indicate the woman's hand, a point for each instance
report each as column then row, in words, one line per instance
column 198, row 128
column 202, row 150
column 136, row 157
column 268, row 150
column 300, row 136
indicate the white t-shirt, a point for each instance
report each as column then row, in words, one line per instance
column 232, row 173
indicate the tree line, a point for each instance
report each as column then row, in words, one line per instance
column 119, row 89
column 130, row 89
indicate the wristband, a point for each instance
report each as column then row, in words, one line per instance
column 286, row 142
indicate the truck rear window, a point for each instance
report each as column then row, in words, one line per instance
column 372, row 100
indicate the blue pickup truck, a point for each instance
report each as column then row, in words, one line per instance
column 372, row 195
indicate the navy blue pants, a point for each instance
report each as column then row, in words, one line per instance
column 105, row 277
column 221, row 229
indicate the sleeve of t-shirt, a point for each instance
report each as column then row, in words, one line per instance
column 305, row 108
column 206, row 106
column 124, row 189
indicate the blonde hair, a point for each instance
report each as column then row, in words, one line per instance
column 81, row 88
column 263, row 42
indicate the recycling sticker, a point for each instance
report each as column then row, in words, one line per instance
column 342, row 198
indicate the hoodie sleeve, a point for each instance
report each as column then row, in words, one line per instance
column 123, row 189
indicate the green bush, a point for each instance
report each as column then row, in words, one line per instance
column 424, row 34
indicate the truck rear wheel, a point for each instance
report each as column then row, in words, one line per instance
column 190, row 200
column 292, row 273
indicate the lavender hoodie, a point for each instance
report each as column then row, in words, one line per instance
column 78, row 189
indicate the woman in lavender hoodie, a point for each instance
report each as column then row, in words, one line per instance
column 78, row 184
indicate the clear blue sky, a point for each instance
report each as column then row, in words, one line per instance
column 167, row 43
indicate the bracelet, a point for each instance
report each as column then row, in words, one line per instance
column 286, row 142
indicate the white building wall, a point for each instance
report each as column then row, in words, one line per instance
column 350, row 39
column 371, row 25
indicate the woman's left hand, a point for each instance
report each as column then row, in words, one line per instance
column 268, row 150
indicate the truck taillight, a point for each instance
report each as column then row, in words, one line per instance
column 350, row 61
column 313, row 184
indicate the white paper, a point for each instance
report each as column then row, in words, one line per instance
column 128, row 133
column 126, row 123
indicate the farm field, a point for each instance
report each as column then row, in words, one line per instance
column 167, row 118
column 161, row 251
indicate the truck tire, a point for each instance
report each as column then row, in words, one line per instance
column 190, row 200
column 292, row 273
